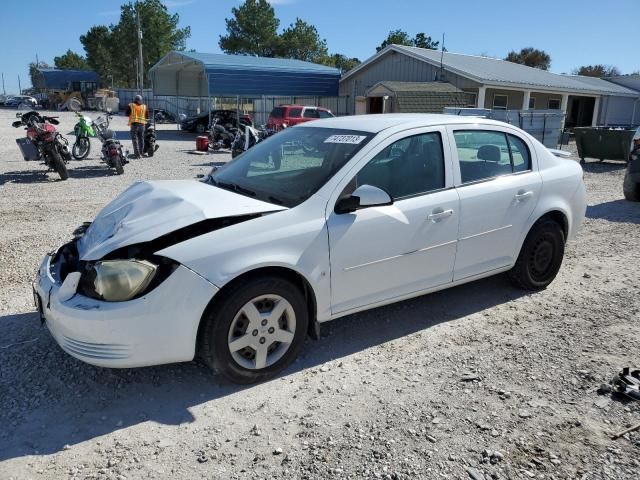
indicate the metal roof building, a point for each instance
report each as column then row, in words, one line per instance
column 497, row 84
column 193, row 74
column 54, row 79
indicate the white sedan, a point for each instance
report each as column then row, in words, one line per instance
column 317, row 222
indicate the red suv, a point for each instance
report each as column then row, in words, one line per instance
column 291, row 115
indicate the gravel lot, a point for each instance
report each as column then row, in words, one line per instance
column 480, row 381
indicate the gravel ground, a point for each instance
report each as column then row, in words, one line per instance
column 481, row 381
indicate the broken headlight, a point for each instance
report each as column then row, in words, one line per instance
column 118, row 280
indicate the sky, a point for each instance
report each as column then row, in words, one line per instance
column 573, row 32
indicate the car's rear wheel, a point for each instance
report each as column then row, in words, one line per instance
column 540, row 258
column 255, row 330
column 631, row 189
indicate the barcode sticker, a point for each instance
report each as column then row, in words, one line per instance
column 350, row 139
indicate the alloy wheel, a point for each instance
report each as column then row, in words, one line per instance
column 262, row 332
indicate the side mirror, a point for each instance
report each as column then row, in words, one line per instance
column 364, row 196
column 16, row 124
column 18, row 115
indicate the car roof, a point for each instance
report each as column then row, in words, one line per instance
column 377, row 122
column 300, row 106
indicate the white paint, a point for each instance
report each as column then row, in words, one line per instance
column 352, row 262
column 525, row 99
column 596, row 112
column 482, row 93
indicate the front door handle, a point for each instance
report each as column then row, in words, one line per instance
column 438, row 214
column 523, row 195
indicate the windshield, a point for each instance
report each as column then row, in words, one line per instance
column 289, row 167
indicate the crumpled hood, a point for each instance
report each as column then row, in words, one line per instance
column 148, row 210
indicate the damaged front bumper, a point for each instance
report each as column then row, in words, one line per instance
column 159, row 327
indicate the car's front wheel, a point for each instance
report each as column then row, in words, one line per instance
column 540, row 257
column 255, row 330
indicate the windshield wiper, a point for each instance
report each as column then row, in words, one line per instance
column 234, row 187
column 273, row 199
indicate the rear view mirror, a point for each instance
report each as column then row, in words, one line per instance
column 364, row 196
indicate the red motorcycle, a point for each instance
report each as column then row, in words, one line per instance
column 43, row 142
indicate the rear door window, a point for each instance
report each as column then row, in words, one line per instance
column 311, row 113
column 484, row 154
column 277, row 112
column 295, row 112
column 324, row 114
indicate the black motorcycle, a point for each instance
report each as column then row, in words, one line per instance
column 112, row 153
column 150, row 145
column 221, row 136
column 43, row 142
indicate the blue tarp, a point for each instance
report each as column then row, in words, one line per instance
column 59, row 79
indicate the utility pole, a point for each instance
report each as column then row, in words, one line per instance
column 140, row 63
column 4, row 92
column 19, row 86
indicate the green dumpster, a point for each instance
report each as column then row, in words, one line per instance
column 603, row 143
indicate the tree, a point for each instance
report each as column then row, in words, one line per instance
column 96, row 46
column 253, row 30
column 71, row 61
column 33, row 71
column 338, row 60
column 396, row 37
column 302, row 42
column 597, row 71
column 423, row 41
column 112, row 51
column 530, row 57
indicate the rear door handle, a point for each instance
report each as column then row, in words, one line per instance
column 523, row 195
column 439, row 214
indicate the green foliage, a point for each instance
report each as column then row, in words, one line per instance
column 301, row 41
column 113, row 51
column 253, row 30
column 71, row 61
column 400, row 37
column 530, row 57
column 33, row 70
column 597, row 71
column 338, row 60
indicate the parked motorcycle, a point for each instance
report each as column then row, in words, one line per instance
column 247, row 137
column 221, row 136
column 83, row 130
column 150, row 145
column 112, row 153
column 43, row 142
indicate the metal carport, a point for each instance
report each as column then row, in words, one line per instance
column 192, row 74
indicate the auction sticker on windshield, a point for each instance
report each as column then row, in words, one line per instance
column 350, row 139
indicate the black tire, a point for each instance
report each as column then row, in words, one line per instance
column 81, row 148
column 213, row 345
column 540, row 258
column 58, row 165
column 631, row 189
column 117, row 164
column 200, row 128
column 151, row 148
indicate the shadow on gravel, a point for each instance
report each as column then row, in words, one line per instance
column 28, row 176
column 621, row 211
column 168, row 135
column 92, row 171
column 603, row 167
column 50, row 400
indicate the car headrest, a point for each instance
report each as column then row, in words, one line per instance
column 490, row 153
